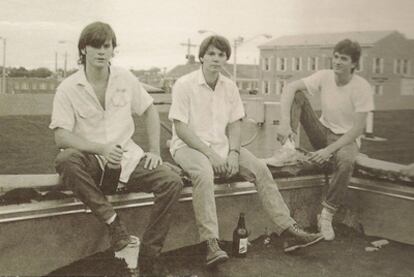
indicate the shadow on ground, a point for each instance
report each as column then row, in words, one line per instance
column 345, row 256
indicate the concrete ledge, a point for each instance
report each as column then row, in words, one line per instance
column 51, row 234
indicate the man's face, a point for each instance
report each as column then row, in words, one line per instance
column 99, row 57
column 213, row 59
column 342, row 63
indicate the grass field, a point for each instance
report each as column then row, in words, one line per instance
column 27, row 145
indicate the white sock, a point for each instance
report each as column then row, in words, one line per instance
column 326, row 214
column 111, row 219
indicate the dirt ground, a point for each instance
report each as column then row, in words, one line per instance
column 345, row 256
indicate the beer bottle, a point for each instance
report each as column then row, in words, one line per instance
column 240, row 238
column 110, row 177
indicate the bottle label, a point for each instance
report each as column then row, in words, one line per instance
column 243, row 246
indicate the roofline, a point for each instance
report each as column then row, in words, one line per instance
column 328, row 46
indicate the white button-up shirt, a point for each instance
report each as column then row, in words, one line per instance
column 76, row 108
column 207, row 112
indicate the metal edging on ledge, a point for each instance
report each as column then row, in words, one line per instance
column 134, row 200
column 387, row 189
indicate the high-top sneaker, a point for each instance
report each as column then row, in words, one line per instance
column 299, row 238
column 214, row 253
column 118, row 234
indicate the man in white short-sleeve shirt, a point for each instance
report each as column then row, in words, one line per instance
column 93, row 124
column 346, row 100
column 206, row 104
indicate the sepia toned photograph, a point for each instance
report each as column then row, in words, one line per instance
column 189, row 138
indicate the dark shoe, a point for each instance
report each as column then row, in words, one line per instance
column 118, row 234
column 214, row 254
column 299, row 239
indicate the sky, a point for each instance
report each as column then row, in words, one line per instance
column 150, row 32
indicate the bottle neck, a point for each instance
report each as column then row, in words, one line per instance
column 242, row 223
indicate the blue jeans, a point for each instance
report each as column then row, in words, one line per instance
column 251, row 169
column 319, row 136
column 81, row 173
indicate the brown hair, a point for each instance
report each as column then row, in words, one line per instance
column 217, row 41
column 95, row 35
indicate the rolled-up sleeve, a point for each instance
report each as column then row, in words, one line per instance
column 141, row 99
column 237, row 109
column 180, row 105
column 63, row 115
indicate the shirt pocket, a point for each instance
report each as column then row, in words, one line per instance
column 88, row 117
column 119, row 99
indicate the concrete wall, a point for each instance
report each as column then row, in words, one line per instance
column 41, row 104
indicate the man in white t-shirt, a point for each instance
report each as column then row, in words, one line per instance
column 93, row 125
column 346, row 100
column 206, row 104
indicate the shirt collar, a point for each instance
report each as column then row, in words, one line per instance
column 81, row 76
column 202, row 80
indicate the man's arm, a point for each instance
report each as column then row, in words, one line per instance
column 234, row 130
column 285, row 130
column 192, row 140
column 152, row 123
column 67, row 139
column 359, row 120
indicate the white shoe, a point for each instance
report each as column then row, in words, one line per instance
column 286, row 155
column 325, row 226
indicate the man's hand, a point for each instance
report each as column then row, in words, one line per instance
column 152, row 160
column 218, row 163
column 320, row 157
column 232, row 164
column 113, row 153
column 283, row 133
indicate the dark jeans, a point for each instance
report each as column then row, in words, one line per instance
column 81, row 173
column 319, row 136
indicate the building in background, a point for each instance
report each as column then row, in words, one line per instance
column 247, row 75
column 386, row 62
column 32, row 85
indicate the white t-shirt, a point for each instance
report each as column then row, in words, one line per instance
column 205, row 111
column 339, row 103
column 76, row 108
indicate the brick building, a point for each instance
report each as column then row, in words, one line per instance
column 247, row 74
column 387, row 63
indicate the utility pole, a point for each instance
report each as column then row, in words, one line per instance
column 56, row 63
column 188, row 45
column 3, row 83
column 65, row 65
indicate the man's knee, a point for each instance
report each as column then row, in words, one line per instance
column 254, row 170
column 171, row 181
column 345, row 159
column 174, row 181
column 300, row 97
column 68, row 157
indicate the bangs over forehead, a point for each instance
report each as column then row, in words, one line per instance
column 95, row 35
column 217, row 41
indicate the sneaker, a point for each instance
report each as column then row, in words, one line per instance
column 286, row 155
column 299, row 239
column 214, row 254
column 119, row 235
column 325, row 224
